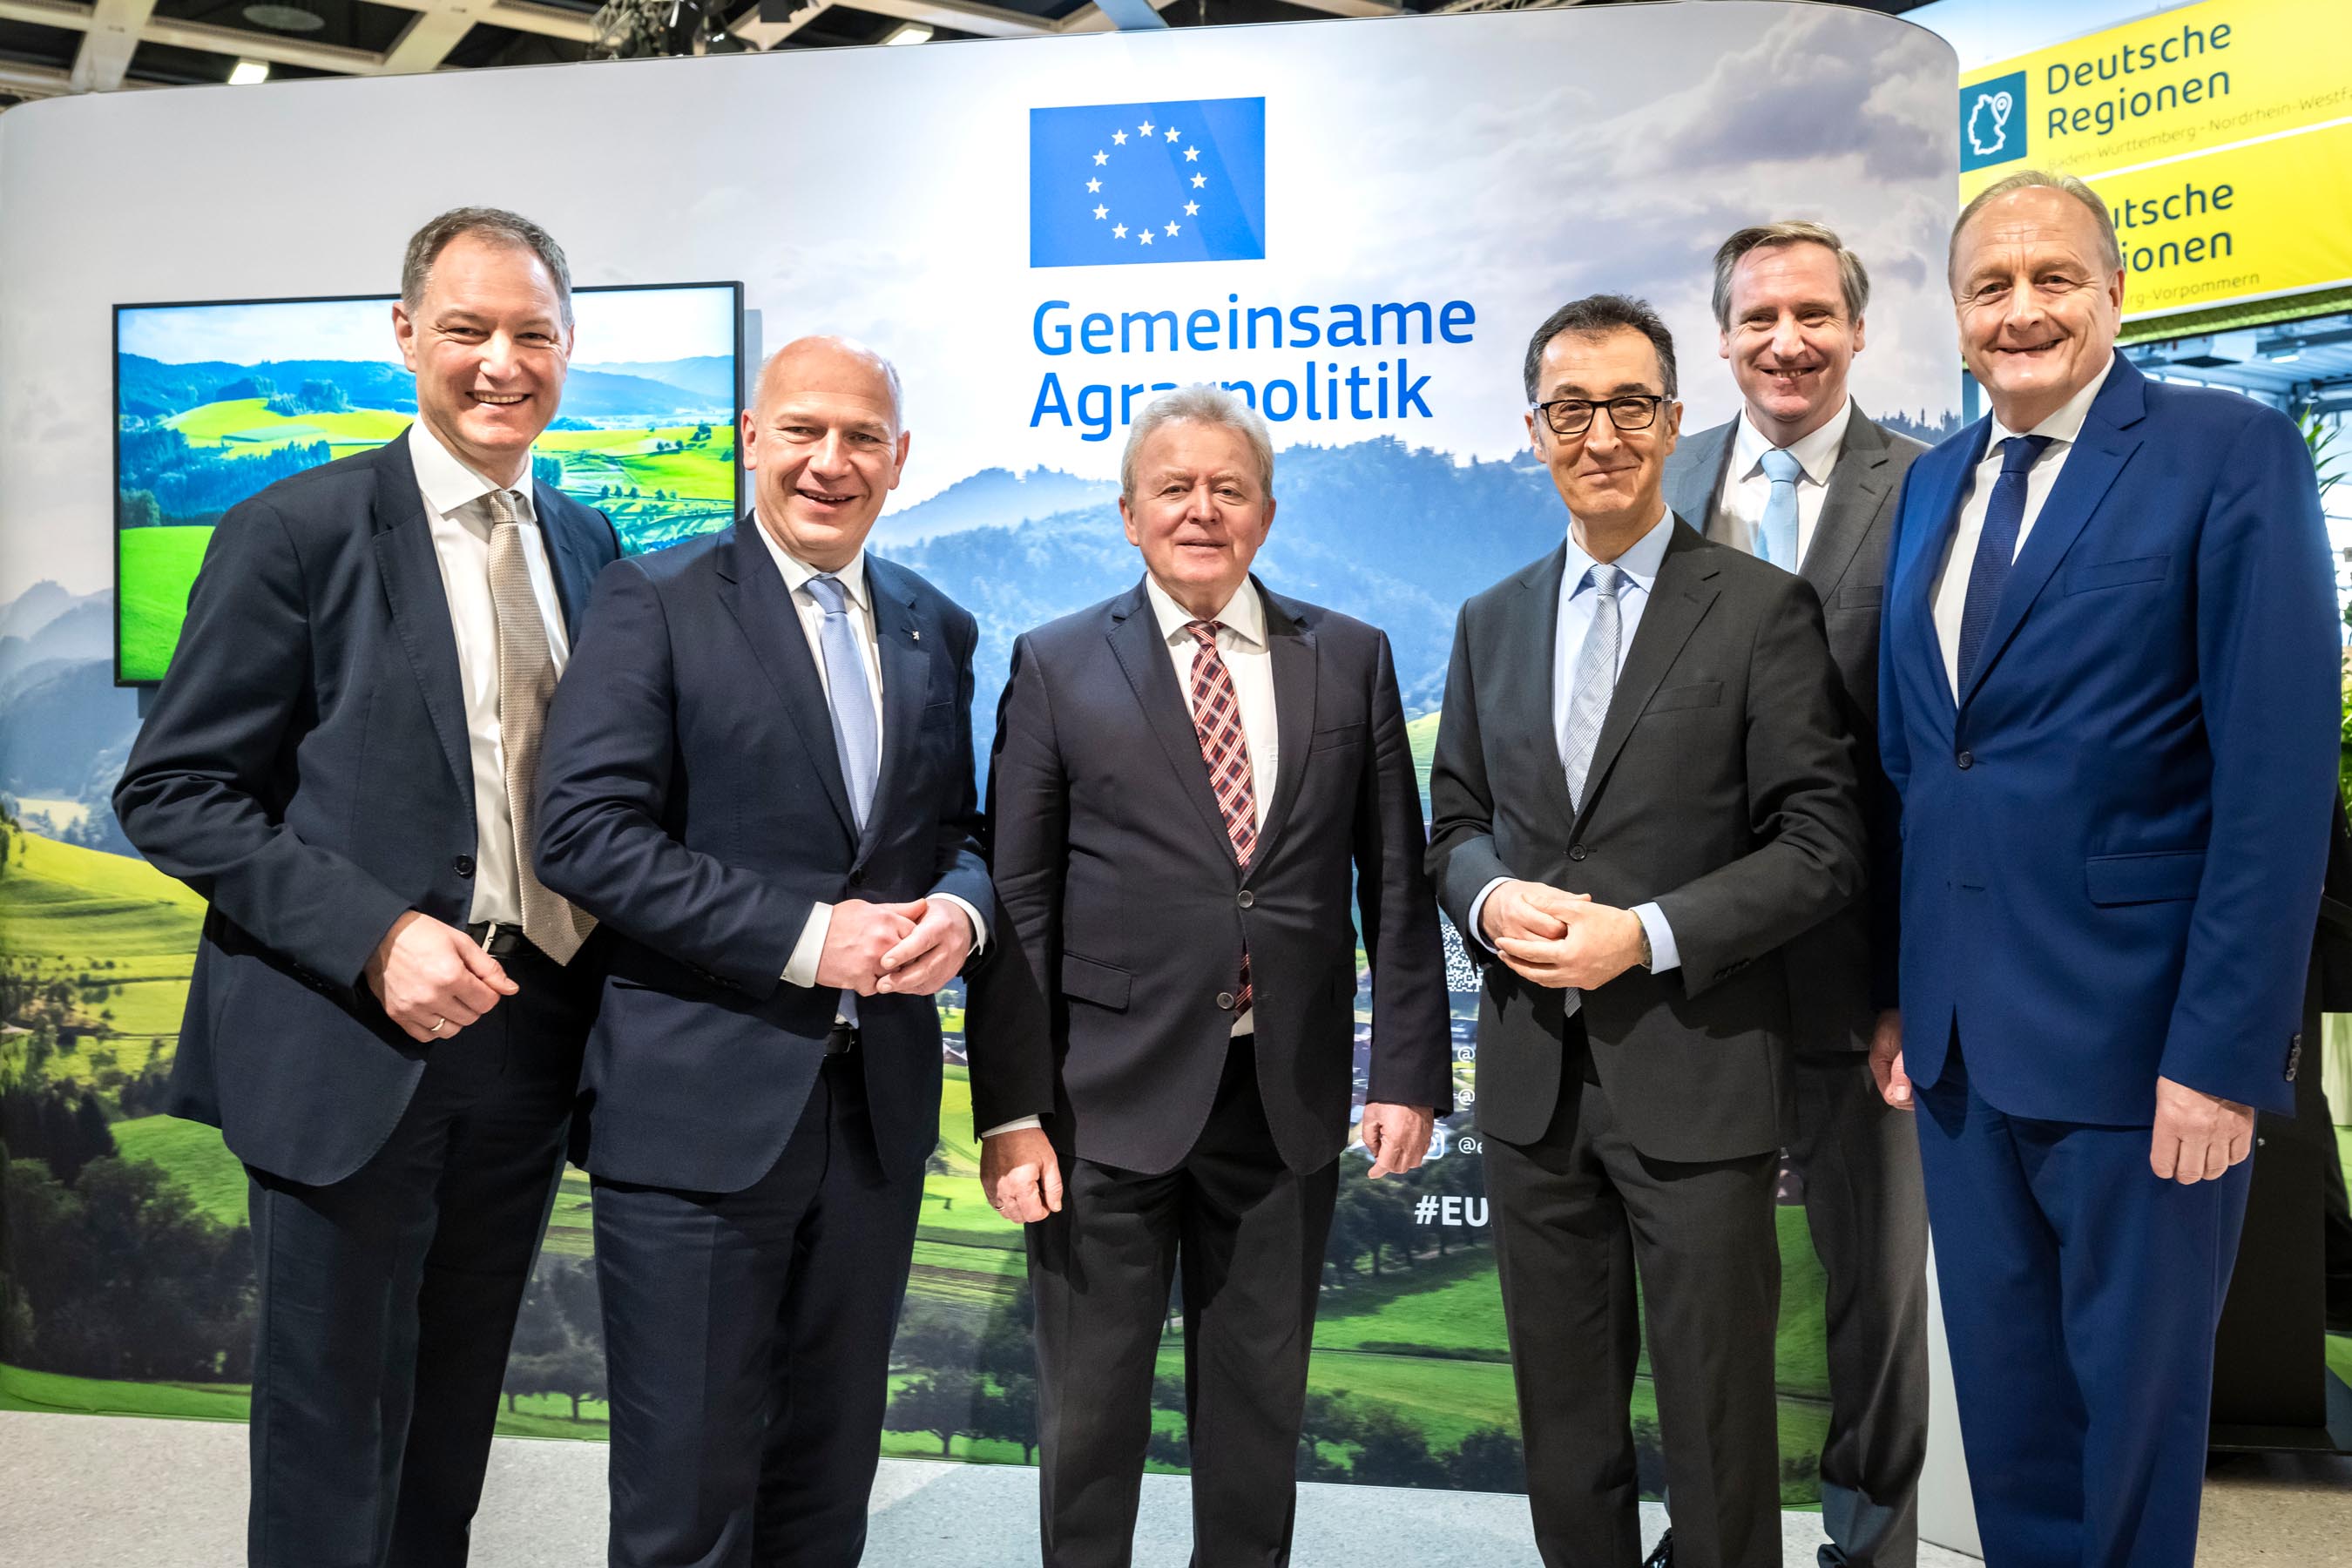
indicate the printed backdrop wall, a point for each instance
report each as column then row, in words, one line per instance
column 1357, row 223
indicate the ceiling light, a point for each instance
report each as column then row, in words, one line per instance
column 249, row 73
column 908, row 33
column 284, row 19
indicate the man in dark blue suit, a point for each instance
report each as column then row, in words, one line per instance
column 758, row 775
column 380, row 1020
column 2107, row 704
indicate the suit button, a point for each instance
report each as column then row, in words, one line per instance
column 463, row 865
column 1576, row 852
column 1225, row 1001
column 1246, row 898
column 1966, row 760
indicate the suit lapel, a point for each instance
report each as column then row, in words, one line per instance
column 1857, row 485
column 753, row 592
column 1291, row 643
column 411, row 574
column 1700, row 479
column 906, row 684
column 2101, row 450
column 1135, row 643
column 1530, row 704
column 1679, row 600
column 1940, row 485
column 574, row 575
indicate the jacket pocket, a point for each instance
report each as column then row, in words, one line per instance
column 1697, row 694
column 2116, row 573
column 1097, row 983
column 1859, row 597
column 2144, row 879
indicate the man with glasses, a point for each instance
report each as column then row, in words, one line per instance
column 1642, row 788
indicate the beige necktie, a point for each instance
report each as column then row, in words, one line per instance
column 526, row 681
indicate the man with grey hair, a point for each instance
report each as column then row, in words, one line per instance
column 387, row 1010
column 760, row 777
column 1804, row 478
column 2108, row 711
column 1187, row 778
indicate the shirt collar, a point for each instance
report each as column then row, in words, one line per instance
column 1639, row 563
column 2063, row 426
column 798, row 572
column 449, row 487
column 1244, row 615
column 1816, row 452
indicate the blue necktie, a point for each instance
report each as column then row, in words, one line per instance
column 1595, row 680
column 1778, row 532
column 1996, row 548
column 855, row 734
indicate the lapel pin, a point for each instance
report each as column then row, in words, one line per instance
column 915, row 631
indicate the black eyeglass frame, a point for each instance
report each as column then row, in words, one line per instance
column 1650, row 401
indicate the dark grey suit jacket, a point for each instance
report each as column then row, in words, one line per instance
column 1829, row 966
column 1722, row 786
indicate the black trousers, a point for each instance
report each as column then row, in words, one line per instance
column 1248, row 1233
column 1867, row 1206
column 747, row 1340
column 388, row 1299
column 1579, row 1214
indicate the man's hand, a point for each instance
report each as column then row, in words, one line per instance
column 433, row 979
column 1524, row 910
column 2199, row 1136
column 1886, row 1060
column 860, row 936
column 1020, row 1173
column 1396, row 1136
column 1598, row 944
column 927, row 956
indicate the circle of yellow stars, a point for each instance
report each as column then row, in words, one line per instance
column 1146, row 131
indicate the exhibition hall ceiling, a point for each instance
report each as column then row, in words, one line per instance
column 52, row 47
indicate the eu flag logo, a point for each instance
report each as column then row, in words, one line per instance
column 1126, row 182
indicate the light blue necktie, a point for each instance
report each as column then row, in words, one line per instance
column 855, row 734
column 1595, row 680
column 1778, row 532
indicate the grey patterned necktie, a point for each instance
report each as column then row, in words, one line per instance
column 1595, row 679
column 526, row 681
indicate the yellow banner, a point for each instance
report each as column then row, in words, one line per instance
column 2217, row 133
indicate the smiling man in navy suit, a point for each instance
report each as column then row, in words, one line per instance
column 2108, row 701
column 385, row 1020
column 758, row 775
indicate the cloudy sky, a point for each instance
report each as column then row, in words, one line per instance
column 1510, row 160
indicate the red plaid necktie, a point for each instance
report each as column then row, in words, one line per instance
column 1217, row 720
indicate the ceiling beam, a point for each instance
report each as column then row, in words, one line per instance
column 1357, row 7
column 1089, row 18
column 960, row 16
column 428, row 39
column 237, row 44
column 764, row 36
column 34, row 82
column 45, row 13
column 519, row 16
column 107, row 48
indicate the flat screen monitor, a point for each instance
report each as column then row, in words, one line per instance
column 216, row 402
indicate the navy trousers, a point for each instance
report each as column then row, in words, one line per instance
column 2081, row 1293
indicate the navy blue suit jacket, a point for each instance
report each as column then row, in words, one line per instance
column 306, row 768
column 691, row 799
column 2112, row 843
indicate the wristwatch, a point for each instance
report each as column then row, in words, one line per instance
column 1647, row 956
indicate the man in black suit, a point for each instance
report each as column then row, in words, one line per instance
column 1804, row 479
column 758, row 775
column 1186, row 778
column 1642, row 788
column 380, row 1020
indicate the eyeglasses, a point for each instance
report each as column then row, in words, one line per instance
column 1573, row 415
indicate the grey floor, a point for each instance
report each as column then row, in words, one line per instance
column 102, row 1491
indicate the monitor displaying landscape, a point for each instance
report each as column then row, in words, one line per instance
column 216, row 402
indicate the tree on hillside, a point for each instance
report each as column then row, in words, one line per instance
column 1392, row 1452
column 1010, row 1414
column 1488, row 1459
column 939, row 1402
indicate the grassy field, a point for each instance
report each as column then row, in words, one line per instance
column 199, row 1163
column 159, row 567
column 247, row 425
column 67, row 903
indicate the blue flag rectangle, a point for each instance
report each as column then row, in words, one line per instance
column 1121, row 183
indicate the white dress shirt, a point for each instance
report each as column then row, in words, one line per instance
column 1241, row 643
column 1640, row 566
column 1739, row 506
column 1951, row 593
column 800, row 969
column 457, row 507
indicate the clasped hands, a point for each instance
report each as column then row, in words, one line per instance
column 894, row 949
column 1558, row 939
column 2196, row 1136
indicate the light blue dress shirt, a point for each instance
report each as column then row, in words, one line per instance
column 1640, row 565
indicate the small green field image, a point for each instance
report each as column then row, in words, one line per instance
column 215, row 403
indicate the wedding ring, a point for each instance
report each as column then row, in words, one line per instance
column 439, row 1025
